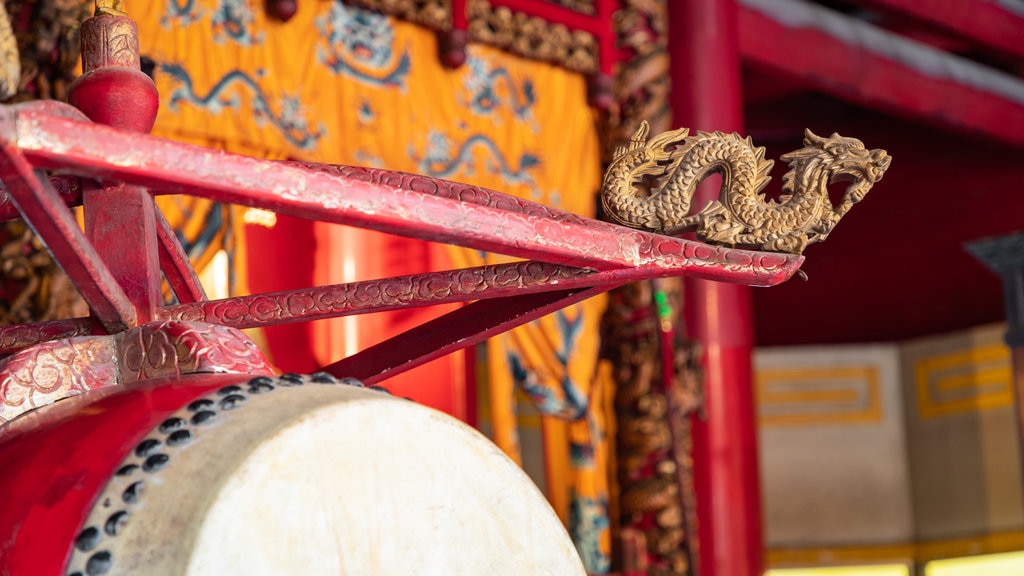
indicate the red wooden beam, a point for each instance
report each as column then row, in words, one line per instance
column 406, row 204
column 175, row 265
column 863, row 64
column 982, row 22
column 44, row 210
column 454, row 331
column 111, row 215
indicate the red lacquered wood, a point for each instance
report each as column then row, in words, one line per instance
column 14, row 337
column 54, row 370
column 405, row 204
column 706, row 94
column 485, row 282
column 117, row 213
column 175, row 265
column 65, row 453
column 607, row 55
column 112, row 89
column 69, row 189
column 283, row 10
column 984, row 22
column 120, row 97
column 433, row 288
column 862, row 76
column 456, row 330
column 44, row 210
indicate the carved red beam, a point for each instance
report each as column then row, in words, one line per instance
column 368, row 296
column 405, row 204
column 464, row 327
column 983, row 22
column 861, row 63
column 573, row 255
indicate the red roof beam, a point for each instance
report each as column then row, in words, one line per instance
column 866, row 65
column 996, row 25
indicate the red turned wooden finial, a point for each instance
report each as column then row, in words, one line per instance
column 112, row 89
column 283, row 10
column 601, row 91
column 452, row 47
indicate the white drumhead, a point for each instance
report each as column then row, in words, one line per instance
column 333, row 479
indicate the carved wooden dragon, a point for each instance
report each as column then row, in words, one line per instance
column 650, row 185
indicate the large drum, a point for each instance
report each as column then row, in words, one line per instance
column 219, row 474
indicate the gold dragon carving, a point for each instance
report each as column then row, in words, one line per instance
column 650, row 185
column 10, row 63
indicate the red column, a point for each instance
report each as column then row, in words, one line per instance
column 706, row 95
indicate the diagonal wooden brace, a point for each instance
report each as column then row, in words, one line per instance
column 454, row 331
column 45, row 212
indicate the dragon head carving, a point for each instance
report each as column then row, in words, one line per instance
column 824, row 161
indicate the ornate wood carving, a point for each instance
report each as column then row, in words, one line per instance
column 653, row 443
column 10, row 66
column 47, row 32
column 642, row 84
column 532, row 36
column 33, row 286
column 435, row 14
column 650, row 185
column 54, row 370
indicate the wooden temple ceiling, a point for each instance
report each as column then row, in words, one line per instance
column 939, row 85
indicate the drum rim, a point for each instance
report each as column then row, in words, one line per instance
column 93, row 550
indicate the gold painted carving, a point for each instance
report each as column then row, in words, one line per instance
column 110, row 40
column 10, row 64
column 650, row 185
column 49, row 46
column 532, row 37
column 656, row 502
column 642, row 82
column 35, row 289
column 435, row 14
column 110, row 8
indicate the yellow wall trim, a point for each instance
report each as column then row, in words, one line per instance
column 964, row 381
column 832, row 395
column 918, row 552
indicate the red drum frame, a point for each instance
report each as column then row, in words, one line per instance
column 565, row 258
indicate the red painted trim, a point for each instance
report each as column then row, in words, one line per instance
column 175, row 265
column 44, row 210
column 607, row 55
column 860, row 76
column 983, row 22
column 459, row 16
column 456, row 330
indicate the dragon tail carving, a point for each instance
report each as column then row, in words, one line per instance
column 650, row 185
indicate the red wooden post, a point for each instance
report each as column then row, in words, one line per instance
column 113, row 90
column 705, row 69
